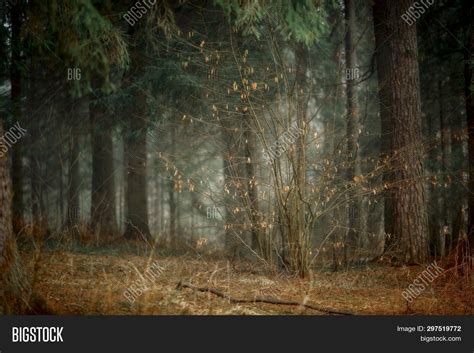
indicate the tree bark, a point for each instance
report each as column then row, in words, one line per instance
column 137, row 209
column 14, row 286
column 445, row 240
column 458, row 165
column 172, row 201
column 136, row 219
column 103, row 216
column 352, row 129
column 382, row 56
column 16, row 91
column 73, row 182
column 299, row 245
column 433, row 192
column 397, row 63
column 161, row 227
column 36, row 93
column 468, row 91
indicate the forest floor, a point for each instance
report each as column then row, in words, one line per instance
column 84, row 281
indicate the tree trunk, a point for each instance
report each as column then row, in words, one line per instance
column 16, row 91
column 103, row 217
column 445, row 240
column 458, row 165
column 156, row 194
column 299, row 246
column 433, row 191
column 14, row 287
column 178, row 218
column 397, row 63
column 36, row 92
column 172, row 198
column 73, row 182
column 162, row 205
column 382, row 56
column 469, row 88
column 352, row 129
column 136, row 220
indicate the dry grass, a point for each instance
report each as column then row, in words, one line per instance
column 88, row 283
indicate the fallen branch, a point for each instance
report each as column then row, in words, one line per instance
column 234, row 300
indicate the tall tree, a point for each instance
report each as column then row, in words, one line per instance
column 458, row 164
column 172, row 197
column 352, row 124
column 468, row 90
column 16, row 92
column 399, row 87
column 300, row 226
column 137, row 204
column 14, row 286
column 36, row 95
column 382, row 52
column 103, row 213
column 433, row 190
column 444, row 243
column 72, row 213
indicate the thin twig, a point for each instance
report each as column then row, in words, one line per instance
column 234, row 300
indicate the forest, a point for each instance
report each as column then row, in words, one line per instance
column 236, row 157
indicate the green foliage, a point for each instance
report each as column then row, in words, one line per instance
column 299, row 20
column 78, row 35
